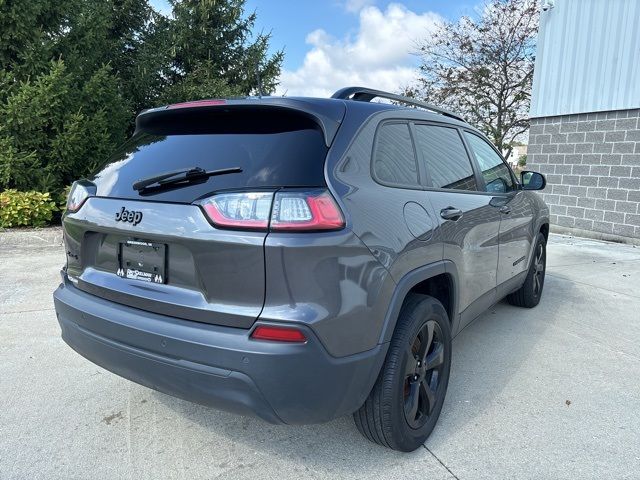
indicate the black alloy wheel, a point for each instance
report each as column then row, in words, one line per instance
column 425, row 361
column 539, row 265
column 405, row 402
column 529, row 294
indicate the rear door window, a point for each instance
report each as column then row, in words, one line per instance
column 394, row 160
column 496, row 173
column 446, row 160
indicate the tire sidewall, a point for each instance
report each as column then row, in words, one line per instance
column 540, row 240
column 407, row 438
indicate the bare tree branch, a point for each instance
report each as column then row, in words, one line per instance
column 483, row 68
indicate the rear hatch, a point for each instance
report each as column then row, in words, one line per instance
column 156, row 248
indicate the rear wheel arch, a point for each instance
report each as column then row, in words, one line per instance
column 438, row 280
column 544, row 230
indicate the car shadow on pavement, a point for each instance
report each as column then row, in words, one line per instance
column 489, row 352
column 486, row 355
column 334, row 449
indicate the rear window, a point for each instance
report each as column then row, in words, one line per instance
column 394, row 160
column 274, row 149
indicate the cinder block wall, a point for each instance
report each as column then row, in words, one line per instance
column 592, row 165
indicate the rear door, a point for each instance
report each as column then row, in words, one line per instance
column 516, row 211
column 157, row 249
column 469, row 225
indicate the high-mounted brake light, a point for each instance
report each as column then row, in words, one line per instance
column 197, row 103
column 78, row 194
column 278, row 334
column 287, row 210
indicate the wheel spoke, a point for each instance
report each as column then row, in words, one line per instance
column 428, row 396
column 425, row 343
column 536, row 283
column 412, row 362
column 539, row 263
column 412, row 401
column 435, row 358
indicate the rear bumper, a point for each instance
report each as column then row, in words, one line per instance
column 214, row 365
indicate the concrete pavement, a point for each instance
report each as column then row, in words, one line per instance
column 551, row 392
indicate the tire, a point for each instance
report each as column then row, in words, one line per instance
column 402, row 410
column 529, row 294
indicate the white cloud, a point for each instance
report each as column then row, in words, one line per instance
column 378, row 56
column 355, row 6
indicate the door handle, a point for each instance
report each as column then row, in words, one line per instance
column 505, row 209
column 451, row 213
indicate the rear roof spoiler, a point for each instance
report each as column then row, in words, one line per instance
column 327, row 114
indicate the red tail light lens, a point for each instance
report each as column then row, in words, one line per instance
column 278, row 334
column 244, row 210
column 78, row 195
column 303, row 211
column 292, row 211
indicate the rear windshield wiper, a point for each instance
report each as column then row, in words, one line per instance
column 184, row 175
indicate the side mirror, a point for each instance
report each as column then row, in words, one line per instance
column 532, row 180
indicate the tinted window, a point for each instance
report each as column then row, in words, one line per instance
column 394, row 159
column 446, row 159
column 290, row 152
column 496, row 173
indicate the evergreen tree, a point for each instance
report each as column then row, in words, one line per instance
column 73, row 74
column 213, row 52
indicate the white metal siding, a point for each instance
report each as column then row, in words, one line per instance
column 588, row 58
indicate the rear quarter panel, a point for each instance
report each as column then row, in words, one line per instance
column 380, row 217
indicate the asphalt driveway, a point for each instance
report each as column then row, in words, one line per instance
column 551, row 392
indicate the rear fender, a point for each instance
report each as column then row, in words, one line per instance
column 409, row 281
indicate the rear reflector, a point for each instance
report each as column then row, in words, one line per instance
column 287, row 210
column 197, row 103
column 278, row 334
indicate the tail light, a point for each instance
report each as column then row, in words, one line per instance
column 80, row 191
column 303, row 211
column 278, row 334
column 292, row 211
column 246, row 210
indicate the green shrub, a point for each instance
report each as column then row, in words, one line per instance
column 25, row 209
column 61, row 199
column 522, row 161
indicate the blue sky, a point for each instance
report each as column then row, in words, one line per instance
column 290, row 21
column 331, row 43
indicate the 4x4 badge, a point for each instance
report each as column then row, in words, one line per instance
column 130, row 216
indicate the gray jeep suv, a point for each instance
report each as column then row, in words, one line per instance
column 296, row 258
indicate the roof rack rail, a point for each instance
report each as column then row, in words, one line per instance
column 363, row 94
